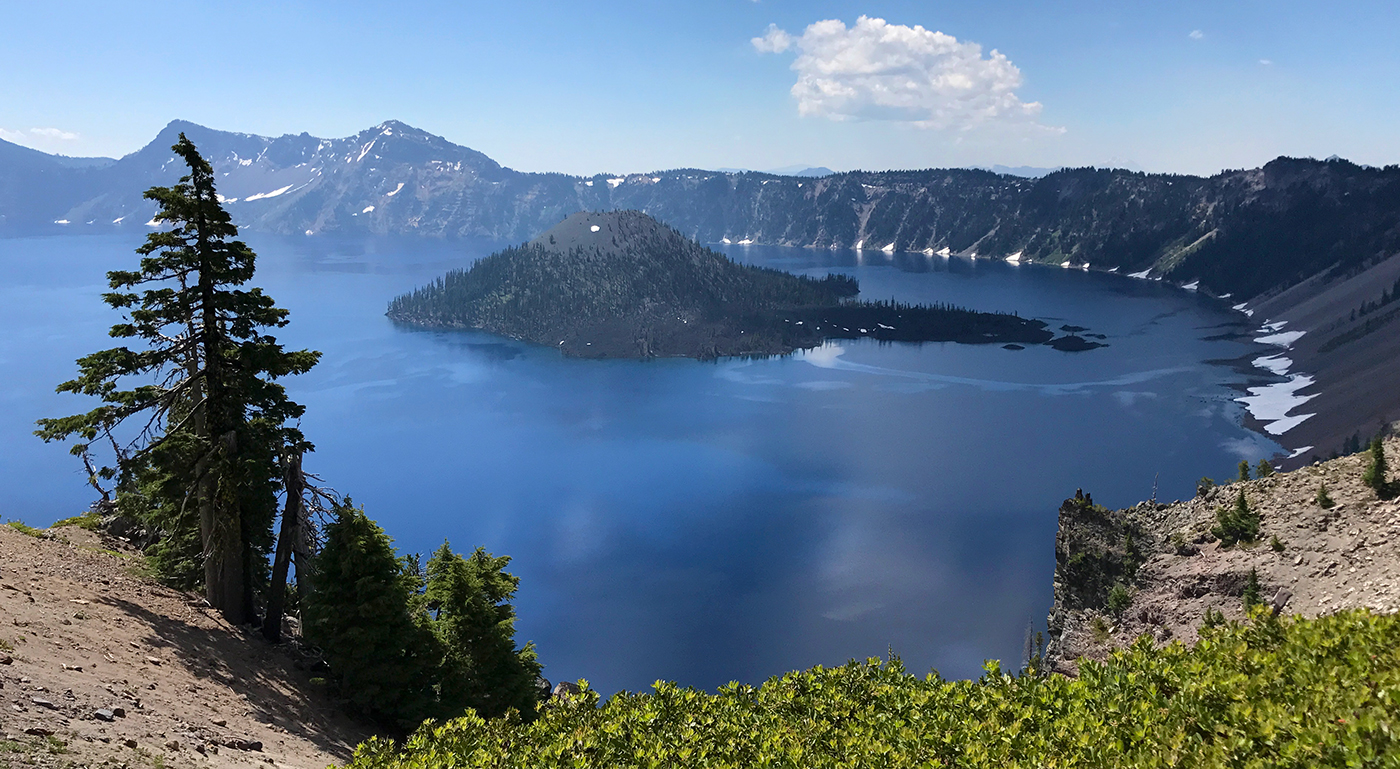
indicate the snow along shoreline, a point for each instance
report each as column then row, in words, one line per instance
column 1271, row 404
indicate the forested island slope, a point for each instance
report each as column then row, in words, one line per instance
column 620, row 284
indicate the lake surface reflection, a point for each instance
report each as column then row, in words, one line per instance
column 704, row 522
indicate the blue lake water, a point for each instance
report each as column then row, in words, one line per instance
column 703, row 522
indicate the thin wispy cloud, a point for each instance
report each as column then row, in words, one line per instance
column 1196, row 34
column 47, row 139
column 892, row 72
column 54, row 133
column 773, row 41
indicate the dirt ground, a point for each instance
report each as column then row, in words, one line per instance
column 1328, row 559
column 101, row 667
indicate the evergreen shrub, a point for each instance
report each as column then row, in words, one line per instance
column 359, row 614
column 1376, row 475
column 1236, row 524
column 1324, row 500
column 1119, row 599
column 405, row 644
column 1252, row 590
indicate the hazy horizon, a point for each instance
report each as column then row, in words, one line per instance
column 791, row 169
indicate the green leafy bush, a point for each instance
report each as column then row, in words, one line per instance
column 26, row 529
column 1289, row 692
column 89, row 520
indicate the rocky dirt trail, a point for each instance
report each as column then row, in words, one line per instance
column 101, row 667
column 1328, row 559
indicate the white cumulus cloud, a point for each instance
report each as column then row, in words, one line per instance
column 1196, row 34
column 881, row 71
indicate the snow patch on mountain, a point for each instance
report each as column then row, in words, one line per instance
column 265, row 195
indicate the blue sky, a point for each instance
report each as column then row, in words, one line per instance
column 539, row 85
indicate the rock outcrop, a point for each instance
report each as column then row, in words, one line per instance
column 1176, row 575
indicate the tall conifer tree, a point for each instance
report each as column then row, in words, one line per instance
column 204, row 416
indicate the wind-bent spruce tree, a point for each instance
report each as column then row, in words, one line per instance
column 202, row 422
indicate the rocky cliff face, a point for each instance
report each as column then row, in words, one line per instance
column 1301, row 217
column 1308, row 559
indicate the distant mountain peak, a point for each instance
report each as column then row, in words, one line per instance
column 400, row 128
column 179, row 124
column 172, row 130
column 801, row 169
column 391, row 127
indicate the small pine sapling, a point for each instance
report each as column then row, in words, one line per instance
column 1119, row 599
column 1323, row 500
column 1265, row 469
column 1244, row 470
column 1251, row 590
column 1236, row 524
column 1099, row 629
column 1132, row 556
column 1376, row 476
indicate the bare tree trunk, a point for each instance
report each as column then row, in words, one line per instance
column 250, row 569
column 302, row 555
column 295, row 485
column 221, row 528
column 223, row 560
